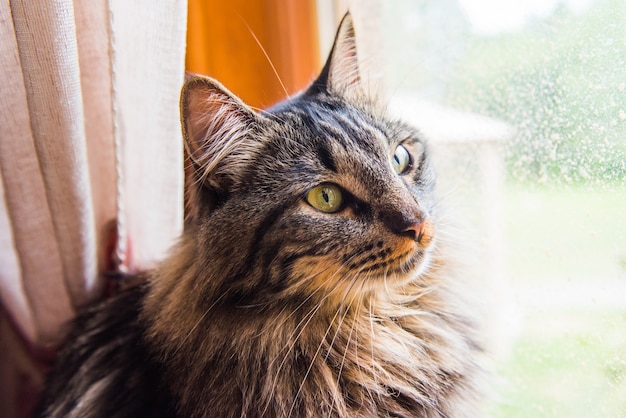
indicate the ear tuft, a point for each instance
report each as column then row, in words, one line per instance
column 341, row 71
column 216, row 126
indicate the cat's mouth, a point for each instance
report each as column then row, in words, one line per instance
column 400, row 264
column 389, row 265
column 401, row 256
column 392, row 261
column 337, row 282
column 382, row 260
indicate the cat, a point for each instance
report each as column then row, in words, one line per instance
column 310, row 279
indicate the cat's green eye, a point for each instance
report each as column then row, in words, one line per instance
column 401, row 160
column 325, row 197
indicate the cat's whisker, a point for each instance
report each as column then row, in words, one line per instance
column 300, row 327
column 260, row 110
column 275, row 324
column 342, row 308
column 319, row 288
column 399, row 85
column 374, row 88
column 308, row 371
column 198, row 322
column 360, row 294
column 386, row 285
column 297, row 332
column 280, row 81
column 441, row 198
column 372, row 351
column 361, row 355
column 345, row 310
column 254, row 305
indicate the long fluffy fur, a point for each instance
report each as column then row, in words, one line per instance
column 268, row 307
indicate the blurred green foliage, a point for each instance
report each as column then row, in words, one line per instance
column 576, row 373
column 564, row 248
column 561, row 83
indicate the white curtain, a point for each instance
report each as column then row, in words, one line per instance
column 89, row 134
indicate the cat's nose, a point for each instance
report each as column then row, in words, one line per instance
column 422, row 232
column 413, row 224
column 415, row 230
column 416, row 226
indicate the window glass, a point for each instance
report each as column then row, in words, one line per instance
column 525, row 106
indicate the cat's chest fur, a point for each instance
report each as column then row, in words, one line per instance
column 371, row 356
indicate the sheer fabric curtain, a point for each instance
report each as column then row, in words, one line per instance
column 89, row 135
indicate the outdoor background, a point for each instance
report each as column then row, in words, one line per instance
column 548, row 223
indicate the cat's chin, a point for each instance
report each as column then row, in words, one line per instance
column 408, row 270
column 417, row 265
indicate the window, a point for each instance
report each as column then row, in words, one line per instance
column 525, row 107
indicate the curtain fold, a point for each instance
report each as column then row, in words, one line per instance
column 147, row 83
column 33, row 231
column 89, row 135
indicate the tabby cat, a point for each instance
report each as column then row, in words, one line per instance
column 309, row 281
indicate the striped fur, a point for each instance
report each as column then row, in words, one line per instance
column 271, row 308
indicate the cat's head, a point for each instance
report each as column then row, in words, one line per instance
column 321, row 194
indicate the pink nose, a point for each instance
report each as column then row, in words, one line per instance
column 421, row 231
column 416, row 230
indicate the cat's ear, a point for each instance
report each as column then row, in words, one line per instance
column 341, row 71
column 217, row 128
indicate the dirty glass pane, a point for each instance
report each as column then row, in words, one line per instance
column 525, row 106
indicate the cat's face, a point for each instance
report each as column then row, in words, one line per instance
column 319, row 195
